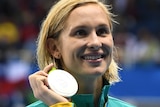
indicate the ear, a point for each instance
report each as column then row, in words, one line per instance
column 53, row 48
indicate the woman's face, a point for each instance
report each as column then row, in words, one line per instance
column 86, row 42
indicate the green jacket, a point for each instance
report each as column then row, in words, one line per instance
column 86, row 100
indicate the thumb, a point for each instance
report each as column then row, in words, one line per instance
column 48, row 68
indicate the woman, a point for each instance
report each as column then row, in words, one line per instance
column 76, row 37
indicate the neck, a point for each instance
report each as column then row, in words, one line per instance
column 88, row 85
column 91, row 86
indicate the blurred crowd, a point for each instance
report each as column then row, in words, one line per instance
column 19, row 26
column 137, row 41
column 137, row 37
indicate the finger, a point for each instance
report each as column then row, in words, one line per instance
column 38, row 85
column 38, row 79
column 32, row 82
column 48, row 68
column 42, row 73
column 41, row 81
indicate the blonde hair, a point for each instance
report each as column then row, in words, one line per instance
column 54, row 24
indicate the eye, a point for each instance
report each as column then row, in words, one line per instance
column 102, row 31
column 81, row 33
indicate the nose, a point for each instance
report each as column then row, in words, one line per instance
column 94, row 42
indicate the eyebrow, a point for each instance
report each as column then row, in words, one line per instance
column 103, row 25
column 86, row 26
column 80, row 27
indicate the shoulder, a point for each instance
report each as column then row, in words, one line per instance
column 114, row 102
column 37, row 104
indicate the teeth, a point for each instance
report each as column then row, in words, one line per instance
column 92, row 57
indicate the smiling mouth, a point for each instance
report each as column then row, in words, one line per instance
column 93, row 57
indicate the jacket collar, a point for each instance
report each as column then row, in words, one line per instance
column 104, row 95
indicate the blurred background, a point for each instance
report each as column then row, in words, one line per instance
column 137, row 39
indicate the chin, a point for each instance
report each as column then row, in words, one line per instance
column 96, row 72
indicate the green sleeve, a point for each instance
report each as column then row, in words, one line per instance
column 41, row 104
column 37, row 104
column 114, row 102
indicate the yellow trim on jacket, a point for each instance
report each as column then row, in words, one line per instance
column 63, row 104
